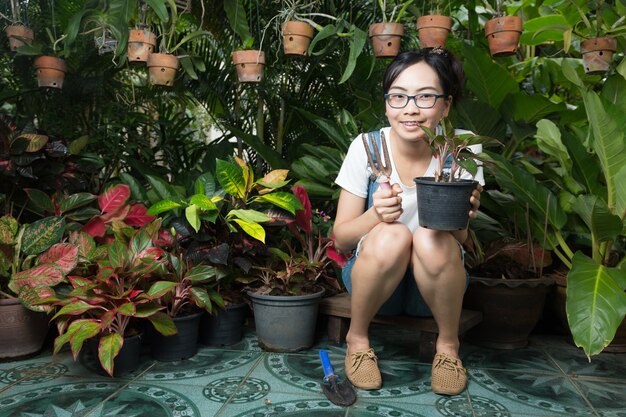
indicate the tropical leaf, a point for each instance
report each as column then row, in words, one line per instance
column 42, row 234
column 8, row 230
column 63, row 255
column 75, row 201
column 230, row 177
column 40, row 199
column 282, row 199
column 251, row 228
column 596, row 303
column 108, row 349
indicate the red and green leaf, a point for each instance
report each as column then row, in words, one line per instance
column 95, row 227
column 42, row 234
column 108, row 349
column 8, row 230
column 138, row 216
column 46, row 274
column 160, row 288
column 113, row 198
column 63, row 255
column 163, row 324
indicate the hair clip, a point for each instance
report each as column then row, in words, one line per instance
column 439, row 51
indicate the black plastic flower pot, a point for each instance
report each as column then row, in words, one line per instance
column 182, row 345
column 443, row 205
column 225, row 327
column 125, row 362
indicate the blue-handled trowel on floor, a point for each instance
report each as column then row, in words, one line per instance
column 338, row 392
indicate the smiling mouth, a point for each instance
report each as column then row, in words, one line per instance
column 411, row 124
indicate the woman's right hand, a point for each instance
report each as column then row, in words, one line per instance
column 387, row 204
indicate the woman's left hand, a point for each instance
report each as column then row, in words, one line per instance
column 475, row 201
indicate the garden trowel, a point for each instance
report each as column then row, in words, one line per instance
column 338, row 392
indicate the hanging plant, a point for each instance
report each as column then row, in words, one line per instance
column 17, row 32
column 386, row 36
column 503, row 33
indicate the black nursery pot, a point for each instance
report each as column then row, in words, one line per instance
column 443, row 205
column 182, row 345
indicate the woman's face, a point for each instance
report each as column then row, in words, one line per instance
column 407, row 122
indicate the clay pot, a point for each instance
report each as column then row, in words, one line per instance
column 23, row 331
column 18, row 35
column 503, row 35
column 598, row 54
column 433, row 30
column 162, row 69
column 386, row 39
column 297, row 38
column 141, row 44
column 249, row 64
column 50, row 71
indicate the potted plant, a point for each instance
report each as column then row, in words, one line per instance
column 456, row 154
column 108, row 298
column 433, row 28
column 387, row 35
column 292, row 281
column 510, row 272
column 32, row 262
column 219, row 223
column 503, row 33
column 17, row 33
column 585, row 223
column 296, row 31
column 185, row 290
column 599, row 43
column 163, row 65
column 249, row 62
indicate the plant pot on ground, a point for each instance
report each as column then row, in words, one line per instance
column 503, row 35
column 225, row 327
column 32, row 263
column 433, row 30
column 510, row 292
column 126, row 361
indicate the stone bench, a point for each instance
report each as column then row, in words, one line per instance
column 337, row 308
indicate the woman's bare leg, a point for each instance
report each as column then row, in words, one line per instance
column 383, row 259
column 440, row 277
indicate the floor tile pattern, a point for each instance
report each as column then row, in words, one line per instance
column 550, row 377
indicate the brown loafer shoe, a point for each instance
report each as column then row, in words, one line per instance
column 449, row 377
column 362, row 369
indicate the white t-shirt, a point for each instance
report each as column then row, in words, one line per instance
column 355, row 173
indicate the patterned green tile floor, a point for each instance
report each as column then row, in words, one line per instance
column 548, row 378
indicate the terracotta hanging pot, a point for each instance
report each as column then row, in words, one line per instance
column 162, row 69
column 297, row 38
column 433, row 30
column 141, row 44
column 249, row 64
column 50, row 71
column 386, row 39
column 598, row 54
column 503, row 35
column 19, row 35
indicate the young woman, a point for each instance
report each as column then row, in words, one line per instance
column 391, row 253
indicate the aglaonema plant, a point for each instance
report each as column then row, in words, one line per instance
column 107, row 299
column 33, row 260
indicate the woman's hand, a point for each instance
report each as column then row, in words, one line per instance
column 387, row 204
column 475, row 201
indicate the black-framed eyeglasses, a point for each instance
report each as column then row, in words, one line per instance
column 423, row 101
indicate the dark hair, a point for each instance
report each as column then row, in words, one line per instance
column 447, row 66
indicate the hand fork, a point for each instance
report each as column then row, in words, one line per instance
column 380, row 169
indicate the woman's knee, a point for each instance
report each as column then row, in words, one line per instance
column 436, row 249
column 388, row 243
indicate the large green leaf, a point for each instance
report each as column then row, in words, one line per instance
column 236, row 14
column 230, row 176
column 549, row 141
column 251, row 228
column 252, row 216
column 596, row 303
column 284, row 200
column 163, row 323
column 357, row 42
column 544, row 29
column 42, row 234
column 163, row 189
column 526, row 188
column 489, row 81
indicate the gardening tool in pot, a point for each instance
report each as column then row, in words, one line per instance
column 339, row 393
column 380, row 169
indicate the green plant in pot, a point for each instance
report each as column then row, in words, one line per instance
column 386, row 35
column 456, row 153
column 32, row 263
column 184, row 290
column 293, row 280
column 586, row 168
column 107, row 301
column 163, row 64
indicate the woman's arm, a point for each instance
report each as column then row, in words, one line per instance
column 353, row 221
